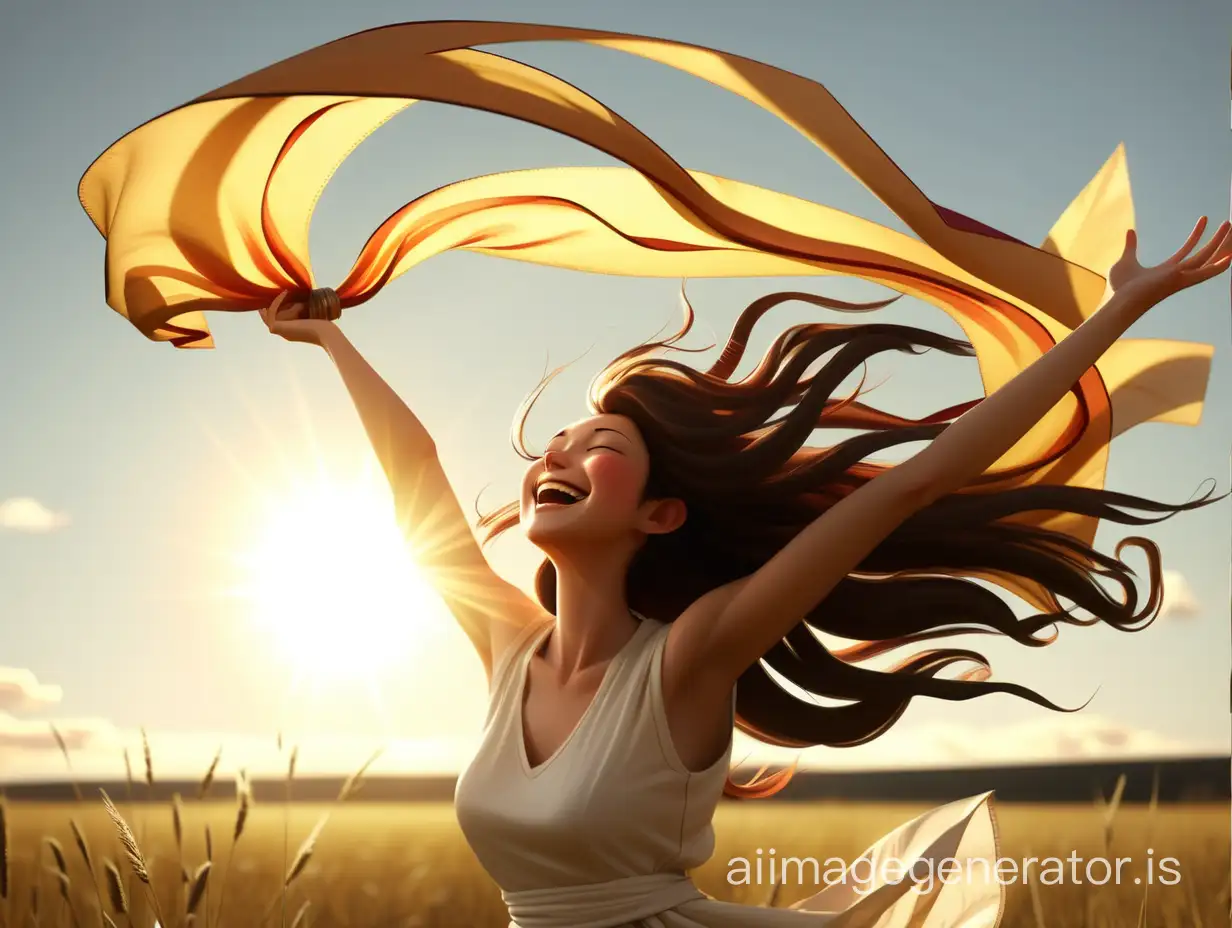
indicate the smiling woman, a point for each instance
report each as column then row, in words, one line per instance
column 693, row 541
column 361, row 615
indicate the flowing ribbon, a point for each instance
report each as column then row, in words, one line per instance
column 207, row 208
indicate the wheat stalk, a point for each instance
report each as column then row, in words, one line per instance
column 301, row 917
column 115, row 888
column 83, row 848
column 63, row 879
column 132, row 850
column 177, row 821
column 1109, row 810
column 177, row 829
column 209, row 859
column 131, row 806
column 148, row 757
column 355, row 781
column 196, row 891
column 68, row 761
column 302, row 857
column 57, row 854
column 34, row 902
column 207, row 781
column 286, row 819
column 66, row 899
column 305, row 852
column 203, row 792
column 243, row 795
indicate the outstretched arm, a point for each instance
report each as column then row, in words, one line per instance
column 489, row 609
column 726, row 632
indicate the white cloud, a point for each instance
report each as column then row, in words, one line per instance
column 24, row 514
column 36, row 736
column 1179, row 601
column 20, row 690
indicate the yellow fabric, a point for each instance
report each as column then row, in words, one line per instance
column 207, row 208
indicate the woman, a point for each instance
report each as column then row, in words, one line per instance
column 688, row 532
column 689, row 535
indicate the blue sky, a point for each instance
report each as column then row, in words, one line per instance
column 165, row 468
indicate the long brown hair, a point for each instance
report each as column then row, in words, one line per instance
column 739, row 462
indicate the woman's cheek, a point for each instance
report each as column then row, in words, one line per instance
column 615, row 478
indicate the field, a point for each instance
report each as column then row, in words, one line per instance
column 403, row 865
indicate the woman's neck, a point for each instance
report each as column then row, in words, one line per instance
column 593, row 621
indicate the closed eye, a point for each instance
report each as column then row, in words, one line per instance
column 608, row 447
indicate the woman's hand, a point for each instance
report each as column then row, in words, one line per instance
column 1144, row 287
column 284, row 320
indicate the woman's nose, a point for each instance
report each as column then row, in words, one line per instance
column 552, row 460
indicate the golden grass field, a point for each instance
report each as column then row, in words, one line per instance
column 383, row 865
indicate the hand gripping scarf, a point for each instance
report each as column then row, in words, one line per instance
column 207, row 207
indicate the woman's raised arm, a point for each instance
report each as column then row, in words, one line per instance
column 729, row 630
column 489, row 609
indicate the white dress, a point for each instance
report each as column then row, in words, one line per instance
column 603, row 833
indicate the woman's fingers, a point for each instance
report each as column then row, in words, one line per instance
column 1179, row 255
column 291, row 312
column 1211, row 249
column 275, row 306
column 1206, row 272
column 269, row 314
column 1226, row 248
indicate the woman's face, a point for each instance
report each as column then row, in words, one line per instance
column 588, row 487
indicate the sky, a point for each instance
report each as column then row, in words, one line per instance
column 159, row 508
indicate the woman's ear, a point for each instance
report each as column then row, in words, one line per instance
column 662, row 516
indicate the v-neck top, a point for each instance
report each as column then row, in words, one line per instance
column 604, row 832
column 552, row 813
column 523, row 684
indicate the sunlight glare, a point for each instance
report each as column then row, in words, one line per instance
column 332, row 580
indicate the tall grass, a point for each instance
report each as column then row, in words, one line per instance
column 243, row 802
column 115, row 893
column 361, row 873
column 189, row 903
column 286, row 827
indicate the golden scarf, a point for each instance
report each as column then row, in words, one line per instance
column 207, row 207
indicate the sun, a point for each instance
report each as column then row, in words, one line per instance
column 331, row 578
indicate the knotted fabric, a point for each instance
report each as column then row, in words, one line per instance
column 323, row 303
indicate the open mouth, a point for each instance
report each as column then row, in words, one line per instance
column 557, row 493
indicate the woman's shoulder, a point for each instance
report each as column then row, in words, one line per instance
column 653, row 632
column 510, row 639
